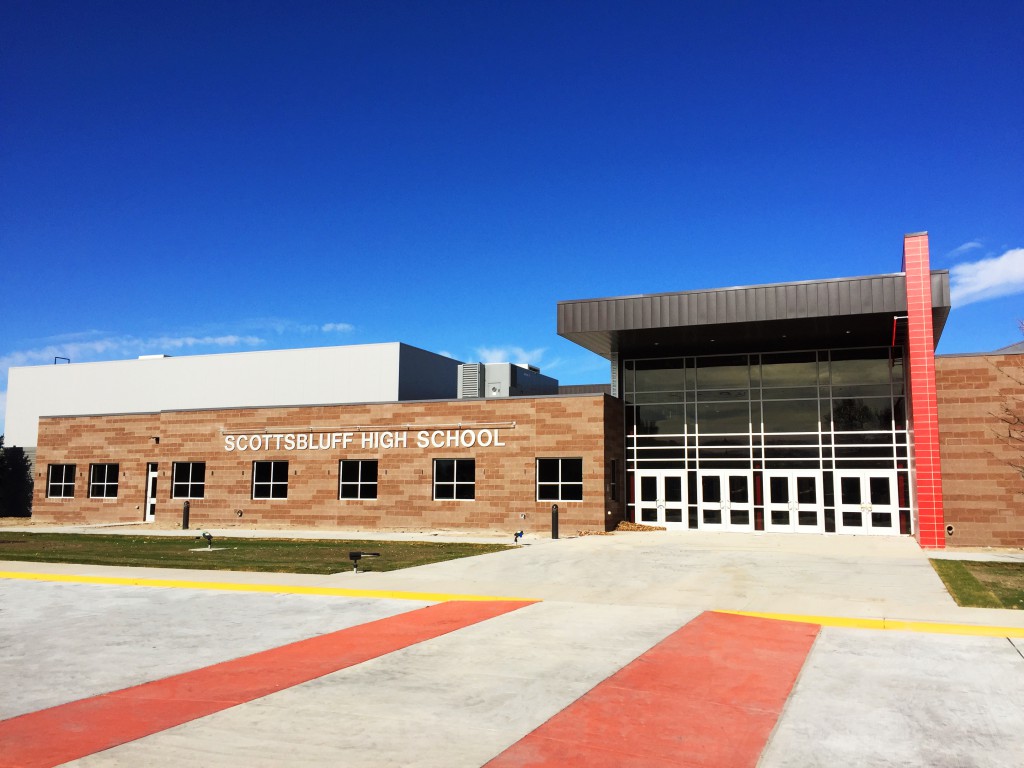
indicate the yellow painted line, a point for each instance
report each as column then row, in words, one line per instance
column 226, row 586
column 900, row 625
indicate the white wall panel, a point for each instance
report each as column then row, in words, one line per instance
column 365, row 373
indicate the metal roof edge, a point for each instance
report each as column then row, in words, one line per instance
column 740, row 287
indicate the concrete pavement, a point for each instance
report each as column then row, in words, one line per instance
column 862, row 698
column 900, row 698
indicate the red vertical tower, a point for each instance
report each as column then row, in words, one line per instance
column 923, row 406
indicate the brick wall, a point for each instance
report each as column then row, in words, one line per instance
column 984, row 495
column 616, row 490
column 572, row 426
column 82, row 441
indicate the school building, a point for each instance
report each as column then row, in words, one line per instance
column 814, row 407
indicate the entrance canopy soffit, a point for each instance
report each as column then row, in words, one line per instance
column 813, row 314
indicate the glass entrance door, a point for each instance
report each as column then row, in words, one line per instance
column 793, row 501
column 724, row 500
column 661, row 498
column 866, row 501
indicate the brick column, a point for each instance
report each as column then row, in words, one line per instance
column 927, row 474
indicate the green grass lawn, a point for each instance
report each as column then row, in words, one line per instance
column 976, row 584
column 277, row 555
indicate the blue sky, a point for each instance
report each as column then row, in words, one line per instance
column 206, row 177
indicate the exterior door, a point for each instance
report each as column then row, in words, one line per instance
column 661, row 498
column 793, row 501
column 151, row 477
column 724, row 500
column 866, row 501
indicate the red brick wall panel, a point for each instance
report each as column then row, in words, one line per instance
column 921, row 368
column 984, row 494
column 569, row 426
column 124, row 440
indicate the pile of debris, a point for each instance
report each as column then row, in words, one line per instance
column 625, row 525
column 594, row 533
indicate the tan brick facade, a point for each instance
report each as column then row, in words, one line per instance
column 588, row 427
column 984, row 495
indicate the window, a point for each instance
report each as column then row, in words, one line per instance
column 723, row 418
column 791, row 416
column 358, row 479
column 270, row 479
column 559, row 479
column 860, row 366
column 662, row 375
column 103, row 481
column 722, row 372
column 790, row 369
column 189, row 480
column 454, row 478
column 661, row 419
column 854, row 414
column 60, row 481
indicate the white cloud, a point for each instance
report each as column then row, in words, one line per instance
column 278, row 325
column 554, row 365
column 510, row 355
column 960, row 250
column 115, row 347
column 63, row 338
column 283, row 325
column 987, row 278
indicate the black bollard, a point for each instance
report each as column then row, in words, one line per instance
column 554, row 521
column 184, row 516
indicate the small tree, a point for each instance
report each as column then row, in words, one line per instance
column 1014, row 434
column 1012, row 414
column 15, row 482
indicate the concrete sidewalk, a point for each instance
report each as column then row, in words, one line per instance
column 694, row 539
column 863, row 698
column 252, row 532
column 869, row 577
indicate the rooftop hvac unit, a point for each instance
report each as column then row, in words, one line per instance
column 471, row 380
column 503, row 380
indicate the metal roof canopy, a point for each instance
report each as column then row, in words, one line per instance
column 812, row 314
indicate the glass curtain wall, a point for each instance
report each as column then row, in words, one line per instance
column 832, row 413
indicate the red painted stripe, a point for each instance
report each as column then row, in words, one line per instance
column 707, row 695
column 70, row 731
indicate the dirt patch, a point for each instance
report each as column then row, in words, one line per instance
column 625, row 525
column 977, row 584
column 1005, row 580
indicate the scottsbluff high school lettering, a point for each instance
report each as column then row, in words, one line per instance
column 327, row 441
